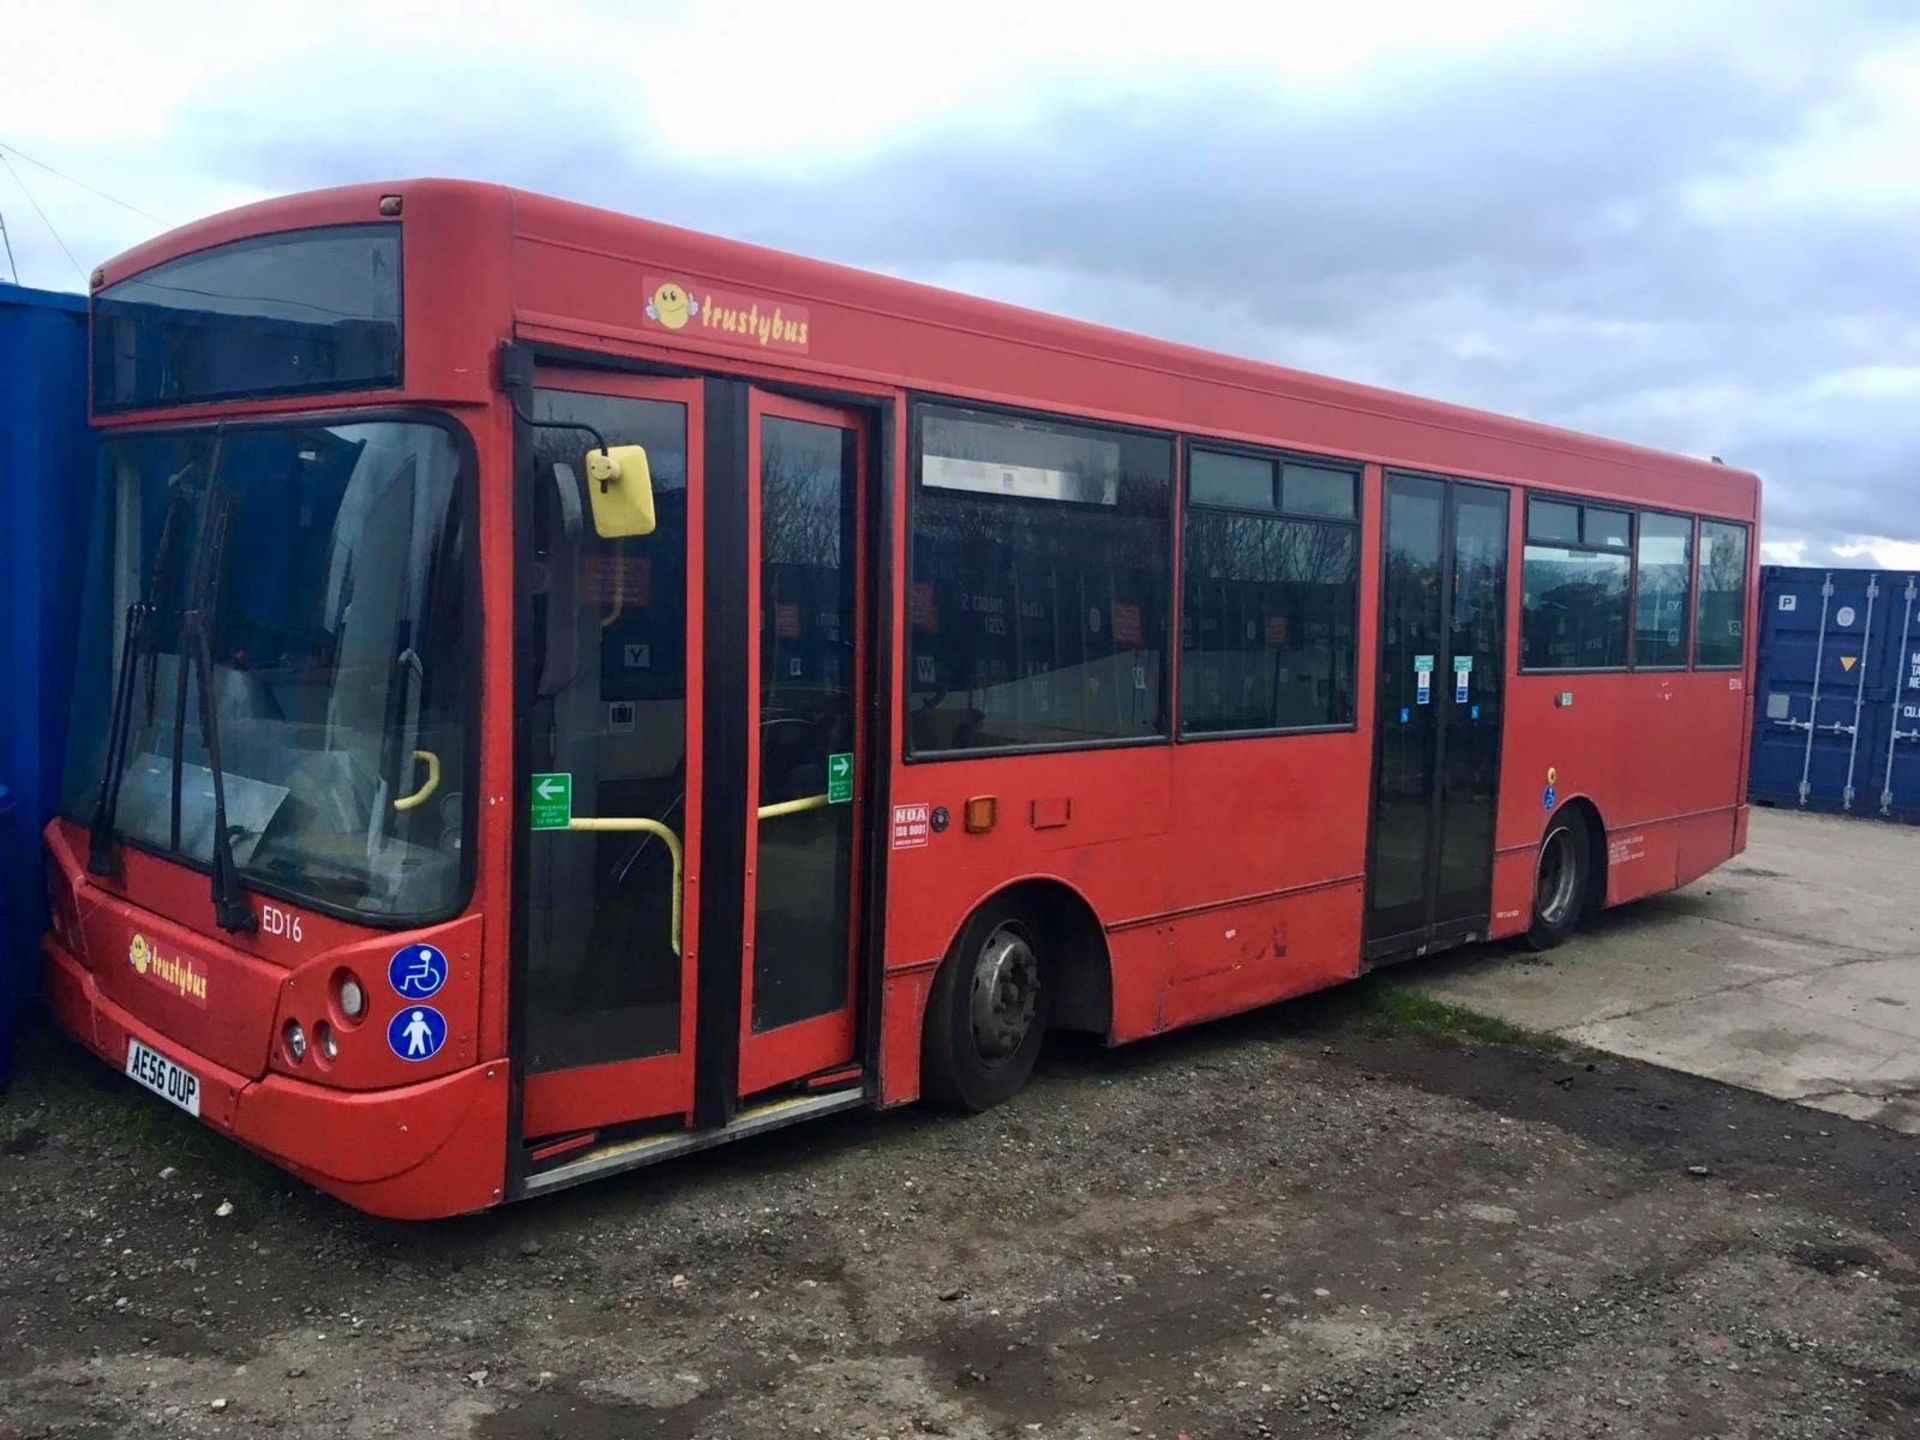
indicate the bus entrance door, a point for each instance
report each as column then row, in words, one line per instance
column 610, row 695
column 805, row 463
column 693, row 736
column 1437, row 730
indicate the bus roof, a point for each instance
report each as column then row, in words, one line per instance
column 583, row 277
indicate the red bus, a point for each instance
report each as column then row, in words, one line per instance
column 557, row 691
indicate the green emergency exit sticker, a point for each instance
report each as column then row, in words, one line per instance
column 839, row 779
column 552, row 798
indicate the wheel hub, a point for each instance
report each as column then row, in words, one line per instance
column 1553, row 894
column 1006, row 994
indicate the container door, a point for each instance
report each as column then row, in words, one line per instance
column 1821, row 692
column 1791, row 654
column 1441, row 695
column 1895, row 777
column 805, row 464
column 611, row 685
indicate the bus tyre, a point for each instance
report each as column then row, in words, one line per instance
column 987, row 1015
column 1559, row 881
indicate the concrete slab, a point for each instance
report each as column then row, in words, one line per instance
column 1790, row 1051
column 1794, row 971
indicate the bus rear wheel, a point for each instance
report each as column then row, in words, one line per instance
column 1559, row 882
column 987, row 1015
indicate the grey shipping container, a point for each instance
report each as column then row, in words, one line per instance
column 1837, row 705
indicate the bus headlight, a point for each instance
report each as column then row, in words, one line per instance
column 351, row 996
column 327, row 1041
column 296, row 1039
column 64, row 918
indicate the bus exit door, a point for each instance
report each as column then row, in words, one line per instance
column 804, row 740
column 1440, row 695
column 692, row 733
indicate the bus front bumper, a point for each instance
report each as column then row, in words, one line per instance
column 414, row 1152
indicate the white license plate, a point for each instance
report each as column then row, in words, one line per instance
column 166, row 1079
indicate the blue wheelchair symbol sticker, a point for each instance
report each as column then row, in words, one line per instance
column 416, row 972
column 1547, row 798
column 417, row 1032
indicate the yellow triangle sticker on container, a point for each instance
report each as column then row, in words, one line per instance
column 1847, row 662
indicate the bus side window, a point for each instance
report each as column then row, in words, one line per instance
column 1270, row 594
column 1721, row 608
column 1662, row 591
column 1039, row 586
column 1574, row 587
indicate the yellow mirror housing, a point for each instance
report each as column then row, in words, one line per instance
column 620, row 485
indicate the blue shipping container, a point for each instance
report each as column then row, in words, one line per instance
column 46, row 475
column 1837, row 707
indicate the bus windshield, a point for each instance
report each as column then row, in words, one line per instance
column 329, row 563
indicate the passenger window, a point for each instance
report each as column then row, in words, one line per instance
column 1550, row 521
column 1720, row 617
column 1664, row 578
column 1269, row 604
column 1241, row 481
column 1606, row 529
column 1574, row 596
column 1038, row 599
column 1315, row 490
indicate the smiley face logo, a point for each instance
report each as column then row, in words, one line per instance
column 671, row 306
column 139, row 954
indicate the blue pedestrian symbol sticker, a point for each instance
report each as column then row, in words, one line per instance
column 417, row 1032
column 417, row 972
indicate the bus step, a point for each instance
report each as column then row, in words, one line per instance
column 832, row 1079
column 612, row 1158
column 547, row 1150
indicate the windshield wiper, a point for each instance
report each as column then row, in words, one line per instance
column 231, row 912
column 103, row 844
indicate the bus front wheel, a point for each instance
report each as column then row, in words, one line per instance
column 1560, row 881
column 987, row 1013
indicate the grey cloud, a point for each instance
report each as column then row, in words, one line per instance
column 1510, row 230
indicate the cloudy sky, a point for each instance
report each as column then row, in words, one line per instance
column 1692, row 224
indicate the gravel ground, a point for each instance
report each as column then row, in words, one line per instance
column 1297, row 1222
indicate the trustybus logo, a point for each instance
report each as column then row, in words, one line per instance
column 181, row 974
column 724, row 316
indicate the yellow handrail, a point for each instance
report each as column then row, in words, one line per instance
column 619, row 588
column 793, row 807
column 425, row 792
column 618, row 825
